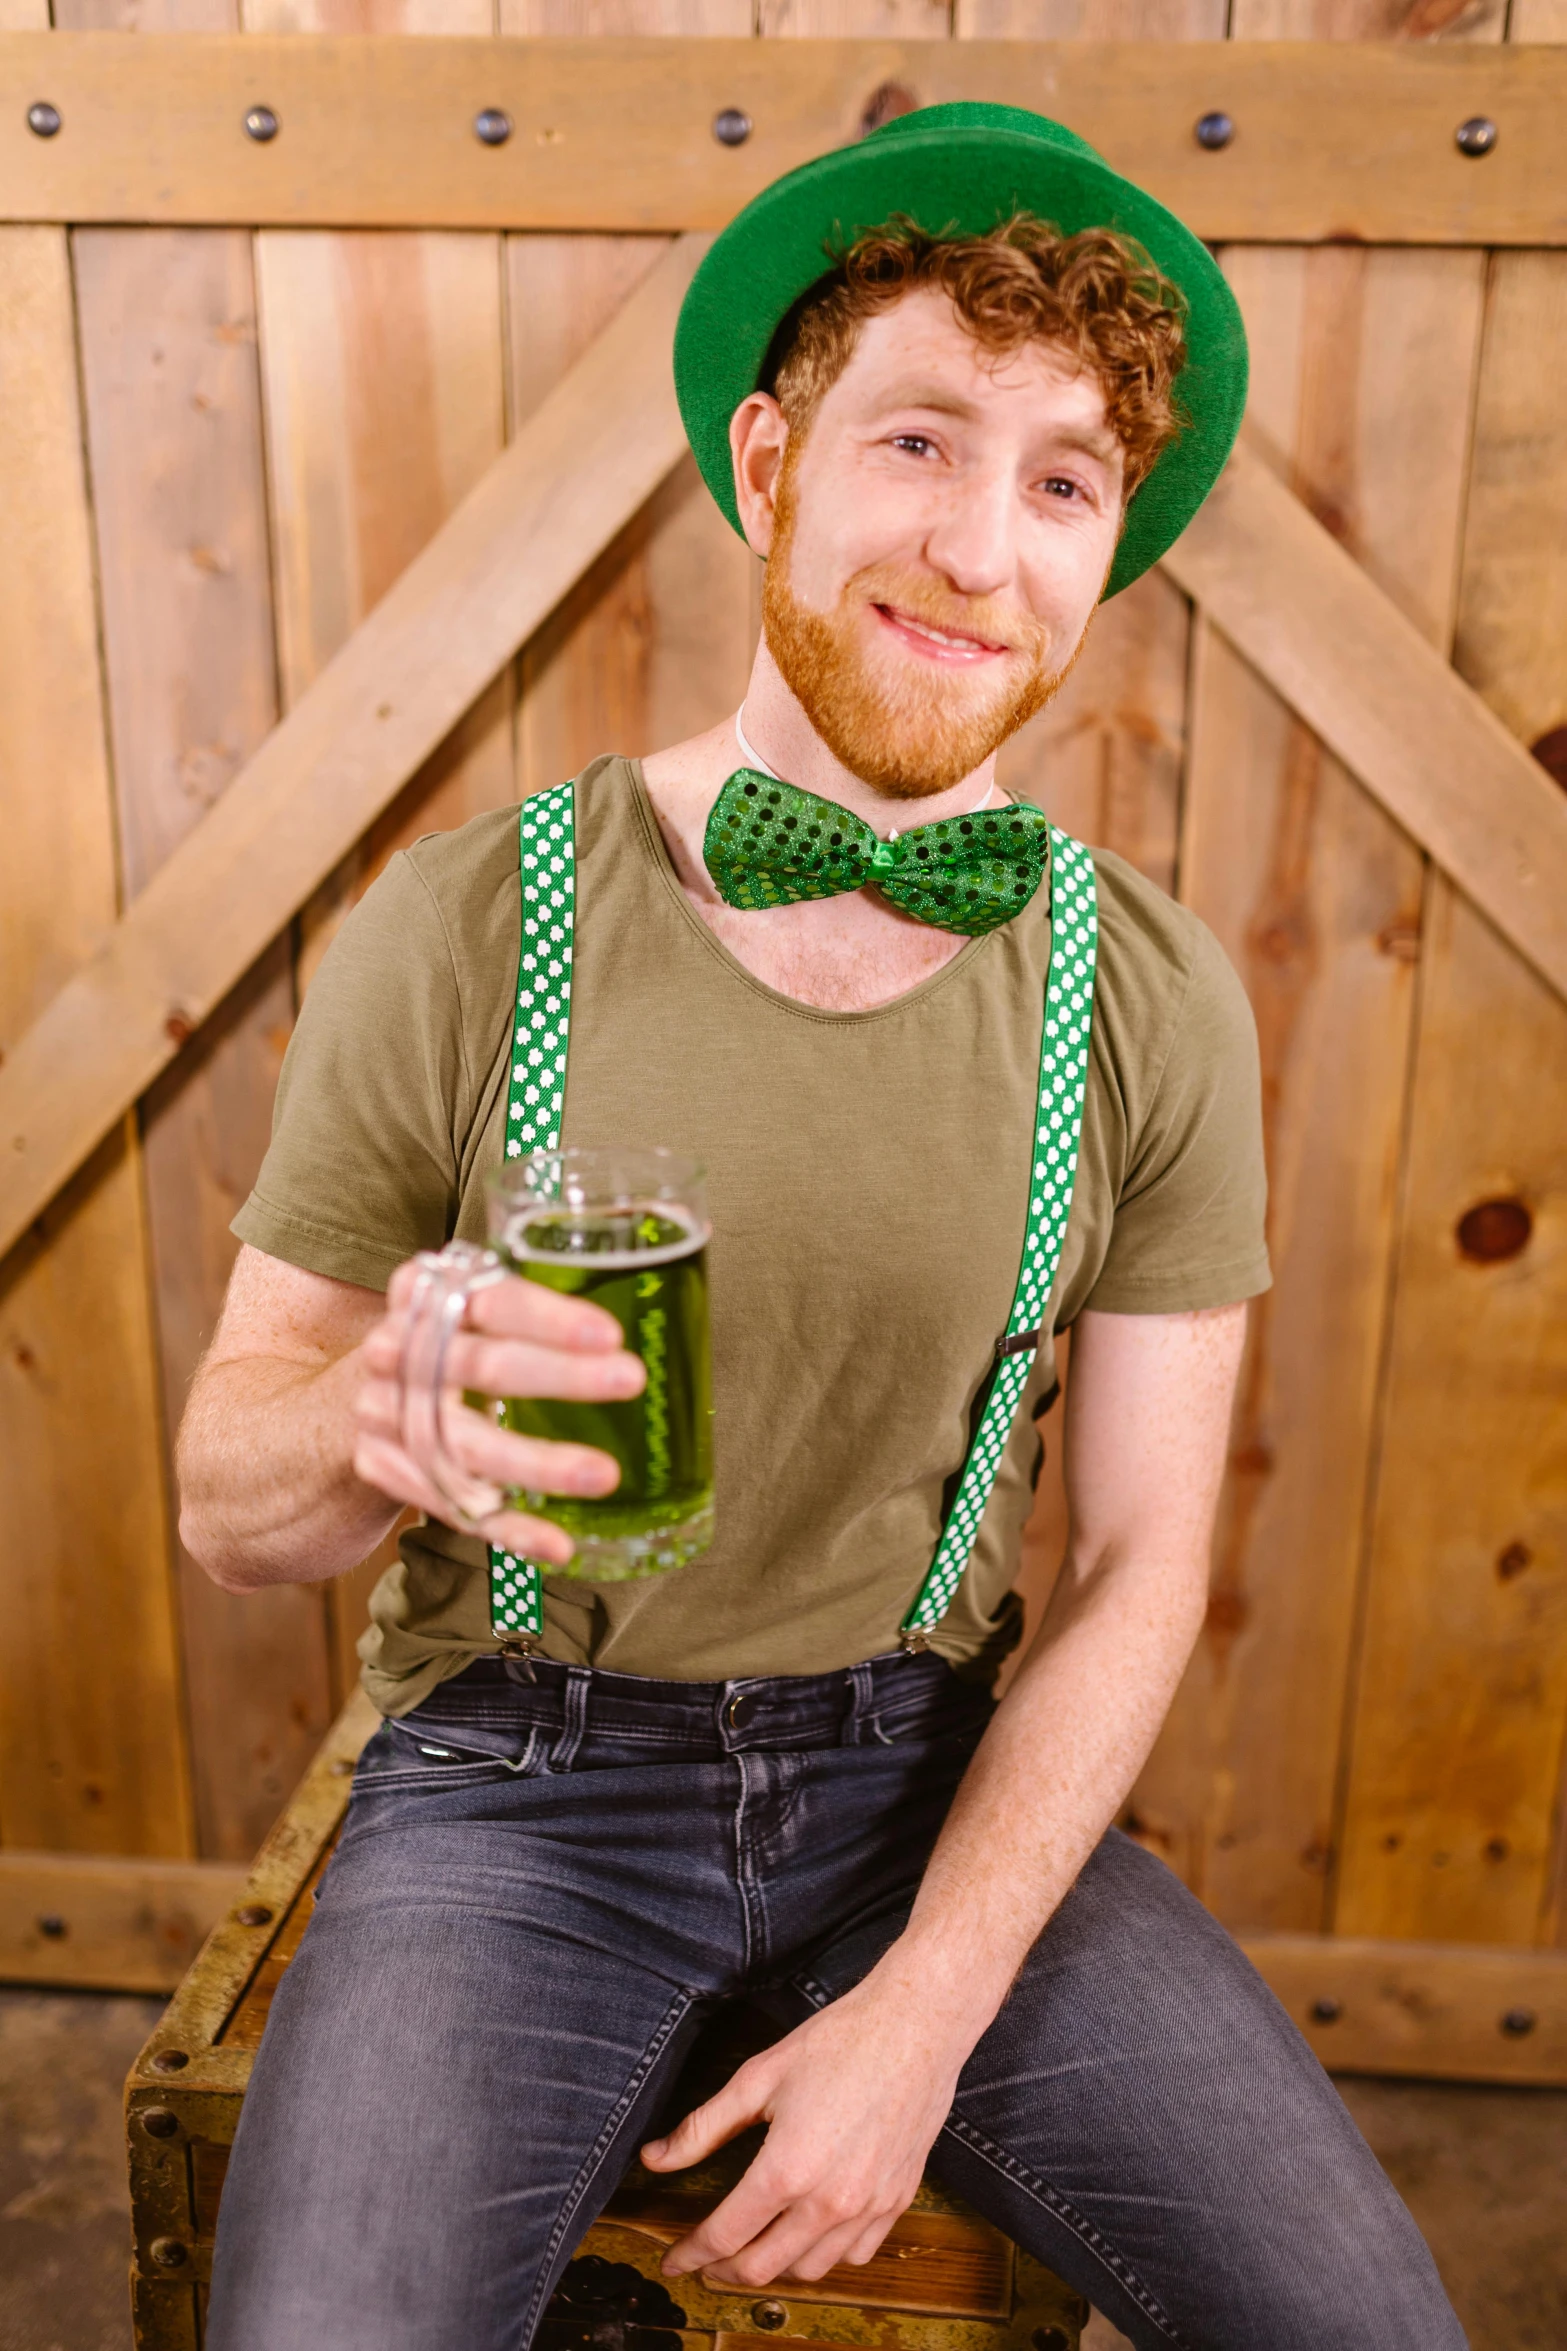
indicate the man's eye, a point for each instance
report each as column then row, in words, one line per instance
column 1059, row 486
column 912, row 441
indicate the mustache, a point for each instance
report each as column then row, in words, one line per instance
column 925, row 597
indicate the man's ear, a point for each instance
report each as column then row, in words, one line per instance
column 758, row 437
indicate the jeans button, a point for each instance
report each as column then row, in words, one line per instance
column 738, row 1711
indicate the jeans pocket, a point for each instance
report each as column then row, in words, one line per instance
column 413, row 1756
column 960, row 1714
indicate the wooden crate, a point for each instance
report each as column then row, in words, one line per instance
column 944, row 2280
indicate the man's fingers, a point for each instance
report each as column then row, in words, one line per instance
column 746, row 2213
column 383, row 1464
column 827, row 2252
column 535, row 1464
column 797, row 2244
column 801, row 2244
column 522, row 1367
column 518, row 1309
column 742, row 2101
column 400, row 1288
column 868, row 2242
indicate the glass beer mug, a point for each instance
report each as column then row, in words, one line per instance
column 628, row 1230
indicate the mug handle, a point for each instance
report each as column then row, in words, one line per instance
column 446, row 1280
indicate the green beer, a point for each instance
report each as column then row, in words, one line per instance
column 644, row 1260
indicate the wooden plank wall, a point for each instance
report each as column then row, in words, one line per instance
column 1453, row 1819
column 1364, row 378
column 218, row 450
column 92, row 1743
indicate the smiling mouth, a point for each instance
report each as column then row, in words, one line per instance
column 943, row 644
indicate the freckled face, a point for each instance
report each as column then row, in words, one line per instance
column 943, row 534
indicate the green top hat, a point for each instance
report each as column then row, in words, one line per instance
column 963, row 168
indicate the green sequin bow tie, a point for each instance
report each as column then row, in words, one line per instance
column 768, row 844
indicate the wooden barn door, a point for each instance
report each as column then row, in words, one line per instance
column 221, row 447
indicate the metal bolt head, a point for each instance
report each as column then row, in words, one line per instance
column 769, row 2316
column 731, row 126
column 167, row 2252
column 1327, row 2010
column 1477, row 136
column 261, row 124
column 1213, row 130
column 492, row 126
column 160, row 2122
column 254, row 1914
column 52, row 1925
column 43, row 120
column 1517, row 2022
column 170, row 2061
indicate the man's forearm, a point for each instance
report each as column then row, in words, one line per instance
column 1054, row 1768
column 266, row 1462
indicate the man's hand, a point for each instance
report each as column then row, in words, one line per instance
column 291, row 1465
column 853, row 2100
column 519, row 1339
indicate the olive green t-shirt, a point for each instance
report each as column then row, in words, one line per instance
column 868, row 1180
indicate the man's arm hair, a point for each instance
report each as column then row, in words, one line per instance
column 265, row 1455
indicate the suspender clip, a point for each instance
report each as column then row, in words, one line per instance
column 914, row 1640
column 521, row 1649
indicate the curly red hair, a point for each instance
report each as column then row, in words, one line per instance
column 1096, row 295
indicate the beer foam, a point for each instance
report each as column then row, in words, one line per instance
column 695, row 1233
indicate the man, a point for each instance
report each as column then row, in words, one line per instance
column 948, row 436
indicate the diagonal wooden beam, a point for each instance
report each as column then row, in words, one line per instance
column 1384, row 700
column 580, row 469
column 1270, row 577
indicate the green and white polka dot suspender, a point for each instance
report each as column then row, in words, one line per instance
column 1058, row 1129
column 538, row 1084
column 547, row 861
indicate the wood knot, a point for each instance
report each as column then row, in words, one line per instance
column 179, row 1027
column 886, row 103
column 1284, row 939
column 1513, row 1561
column 1428, row 20
column 1227, row 1612
column 1494, row 1230
column 1551, row 751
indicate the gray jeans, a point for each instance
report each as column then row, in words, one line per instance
column 546, row 1885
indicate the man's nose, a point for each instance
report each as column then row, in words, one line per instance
column 973, row 541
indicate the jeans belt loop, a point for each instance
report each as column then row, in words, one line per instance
column 574, row 1723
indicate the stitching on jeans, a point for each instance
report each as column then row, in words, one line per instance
column 1078, row 2222
column 789, row 1794
column 750, row 1953
column 574, row 1719
column 594, row 2163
